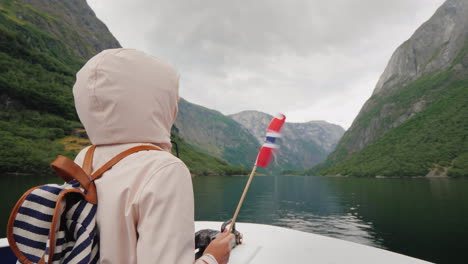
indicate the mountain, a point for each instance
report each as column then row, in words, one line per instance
column 303, row 145
column 37, row 71
column 415, row 122
column 43, row 43
column 213, row 133
column 73, row 22
column 203, row 164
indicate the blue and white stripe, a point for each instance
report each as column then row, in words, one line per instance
column 270, row 140
column 76, row 236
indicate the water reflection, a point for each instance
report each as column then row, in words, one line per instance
column 347, row 227
column 302, row 203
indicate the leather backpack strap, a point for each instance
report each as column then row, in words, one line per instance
column 69, row 170
column 91, row 195
column 88, row 160
column 98, row 173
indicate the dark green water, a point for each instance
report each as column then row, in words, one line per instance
column 423, row 218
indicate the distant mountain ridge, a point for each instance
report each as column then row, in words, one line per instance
column 303, row 145
column 415, row 123
column 218, row 135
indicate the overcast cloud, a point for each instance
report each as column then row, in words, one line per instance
column 312, row 60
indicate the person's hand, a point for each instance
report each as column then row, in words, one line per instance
column 220, row 247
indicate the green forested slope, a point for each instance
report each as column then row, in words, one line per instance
column 36, row 105
column 203, row 164
column 436, row 138
column 416, row 121
column 37, row 71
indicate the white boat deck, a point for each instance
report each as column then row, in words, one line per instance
column 265, row 244
column 270, row 245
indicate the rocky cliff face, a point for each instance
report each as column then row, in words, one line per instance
column 418, row 79
column 432, row 47
column 79, row 27
column 303, row 144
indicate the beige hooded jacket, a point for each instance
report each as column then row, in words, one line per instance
column 126, row 98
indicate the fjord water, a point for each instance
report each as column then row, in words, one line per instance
column 423, row 218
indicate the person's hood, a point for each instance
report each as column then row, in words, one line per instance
column 127, row 96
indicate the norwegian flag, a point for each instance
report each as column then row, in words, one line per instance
column 273, row 132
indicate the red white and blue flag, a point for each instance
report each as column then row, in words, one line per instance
column 272, row 134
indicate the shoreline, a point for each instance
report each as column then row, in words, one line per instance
column 391, row 177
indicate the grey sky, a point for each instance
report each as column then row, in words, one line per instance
column 312, row 60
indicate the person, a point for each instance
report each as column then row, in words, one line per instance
column 125, row 98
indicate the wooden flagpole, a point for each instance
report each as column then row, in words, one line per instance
column 239, row 205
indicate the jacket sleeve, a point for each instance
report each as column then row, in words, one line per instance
column 166, row 217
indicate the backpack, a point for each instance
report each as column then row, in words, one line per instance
column 55, row 223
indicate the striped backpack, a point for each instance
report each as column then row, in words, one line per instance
column 56, row 223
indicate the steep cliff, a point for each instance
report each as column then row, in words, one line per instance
column 432, row 47
column 415, row 122
column 303, row 145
